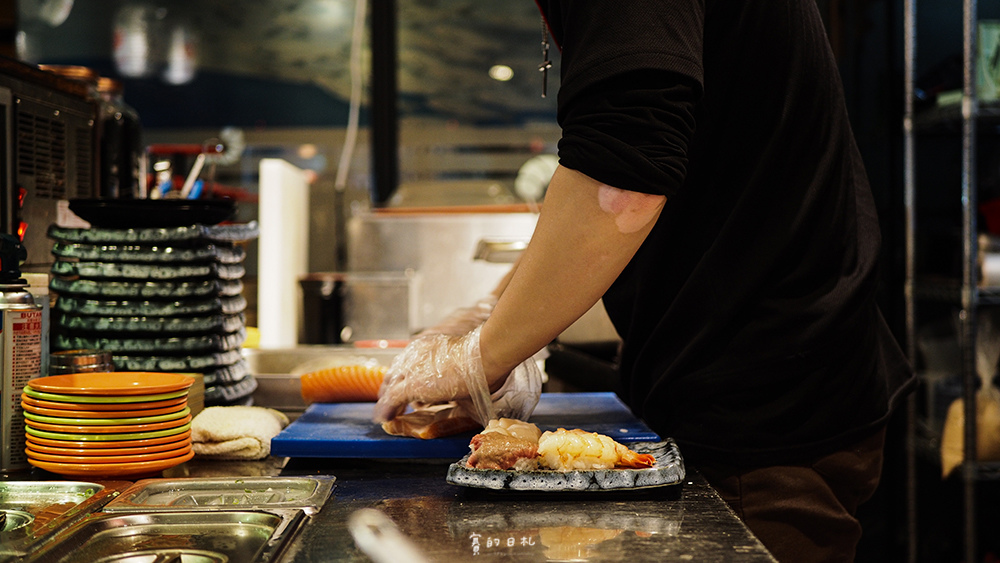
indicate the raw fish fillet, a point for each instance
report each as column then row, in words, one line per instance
column 435, row 421
column 342, row 384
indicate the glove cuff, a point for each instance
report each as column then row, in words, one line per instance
column 475, row 378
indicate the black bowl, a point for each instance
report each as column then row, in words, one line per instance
column 152, row 213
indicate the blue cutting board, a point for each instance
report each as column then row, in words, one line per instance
column 345, row 430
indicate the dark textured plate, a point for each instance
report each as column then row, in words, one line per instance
column 207, row 343
column 230, row 393
column 228, row 375
column 222, row 253
column 175, row 308
column 190, row 234
column 668, row 470
column 147, row 290
column 146, row 213
column 166, row 362
column 150, row 324
column 146, row 272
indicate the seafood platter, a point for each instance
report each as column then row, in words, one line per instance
column 517, row 456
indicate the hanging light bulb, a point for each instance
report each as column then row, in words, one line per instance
column 181, row 55
column 134, row 39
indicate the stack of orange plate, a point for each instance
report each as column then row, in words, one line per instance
column 110, row 424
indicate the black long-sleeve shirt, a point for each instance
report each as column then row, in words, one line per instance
column 751, row 333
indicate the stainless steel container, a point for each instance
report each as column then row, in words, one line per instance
column 341, row 307
column 80, row 361
column 443, row 249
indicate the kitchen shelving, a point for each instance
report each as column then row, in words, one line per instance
column 962, row 121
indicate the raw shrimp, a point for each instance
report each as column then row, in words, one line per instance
column 566, row 450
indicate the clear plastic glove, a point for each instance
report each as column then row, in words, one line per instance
column 461, row 321
column 437, row 368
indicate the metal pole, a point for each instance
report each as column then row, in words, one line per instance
column 909, row 199
column 970, row 295
column 384, row 118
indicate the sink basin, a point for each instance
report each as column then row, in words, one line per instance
column 225, row 493
column 35, row 510
column 277, row 371
column 245, row 536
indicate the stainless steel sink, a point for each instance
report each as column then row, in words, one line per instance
column 33, row 511
column 225, row 493
column 244, row 536
column 277, row 371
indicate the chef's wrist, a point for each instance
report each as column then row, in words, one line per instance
column 495, row 368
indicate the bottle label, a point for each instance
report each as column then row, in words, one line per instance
column 20, row 362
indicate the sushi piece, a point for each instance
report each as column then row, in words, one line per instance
column 506, row 443
column 567, row 450
column 495, row 450
column 342, row 384
column 514, row 427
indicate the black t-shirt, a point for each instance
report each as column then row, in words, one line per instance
column 749, row 325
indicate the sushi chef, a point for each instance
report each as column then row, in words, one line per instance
column 711, row 193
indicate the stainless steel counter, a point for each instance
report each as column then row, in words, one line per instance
column 687, row 522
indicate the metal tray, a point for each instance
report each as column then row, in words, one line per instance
column 35, row 510
column 246, row 536
column 224, row 493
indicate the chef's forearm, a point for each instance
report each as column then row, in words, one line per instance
column 499, row 289
column 585, row 236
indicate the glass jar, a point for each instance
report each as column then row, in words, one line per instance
column 120, row 142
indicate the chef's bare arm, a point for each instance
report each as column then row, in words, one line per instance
column 586, row 234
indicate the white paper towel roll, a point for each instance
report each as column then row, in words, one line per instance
column 283, row 252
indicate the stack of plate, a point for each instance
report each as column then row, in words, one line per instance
column 159, row 299
column 108, row 424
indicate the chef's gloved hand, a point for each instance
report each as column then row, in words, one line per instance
column 461, row 321
column 438, row 368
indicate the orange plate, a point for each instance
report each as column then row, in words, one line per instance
column 104, row 407
column 88, row 451
column 128, row 458
column 108, row 429
column 111, row 469
column 68, row 413
column 111, row 443
column 113, row 383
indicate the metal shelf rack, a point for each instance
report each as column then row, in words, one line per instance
column 964, row 119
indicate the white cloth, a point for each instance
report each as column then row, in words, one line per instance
column 236, row 432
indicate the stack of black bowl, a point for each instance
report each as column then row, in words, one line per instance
column 158, row 283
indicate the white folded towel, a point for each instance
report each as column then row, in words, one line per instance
column 236, row 432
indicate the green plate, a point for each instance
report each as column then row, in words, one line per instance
column 107, row 421
column 107, row 437
column 58, row 397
